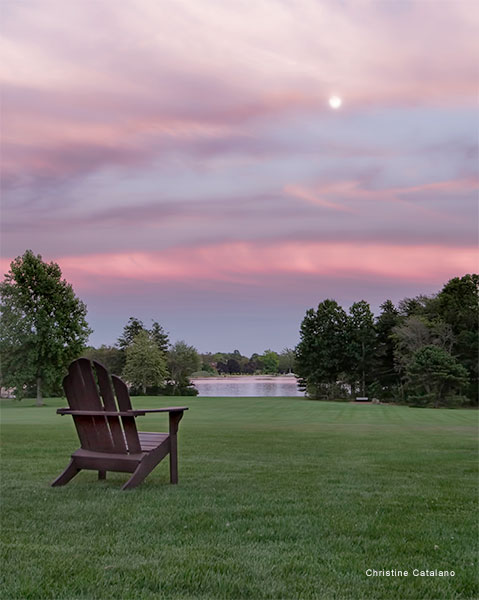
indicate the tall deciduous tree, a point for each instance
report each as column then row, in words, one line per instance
column 182, row 361
column 270, row 361
column 286, row 360
column 321, row 352
column 42, row 324
column 145, row 364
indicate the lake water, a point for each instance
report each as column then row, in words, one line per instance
column 247, row 386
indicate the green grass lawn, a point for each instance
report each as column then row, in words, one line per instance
column 278, row 498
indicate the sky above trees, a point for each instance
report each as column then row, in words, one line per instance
column 181, row 162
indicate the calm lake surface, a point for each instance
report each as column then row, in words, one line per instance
column 247, row 386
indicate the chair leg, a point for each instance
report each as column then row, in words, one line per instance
column 146, row 466
column 139, row 474
column 173, row 460
column 101, row 474
column 68, row 474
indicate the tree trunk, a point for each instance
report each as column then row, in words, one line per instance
column 39, row 392
column 144, row 389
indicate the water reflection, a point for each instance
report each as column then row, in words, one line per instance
column 247, row 386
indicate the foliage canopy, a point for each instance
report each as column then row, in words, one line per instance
column 42, row 325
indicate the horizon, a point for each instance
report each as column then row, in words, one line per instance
column 221, row 172
column 148, row 322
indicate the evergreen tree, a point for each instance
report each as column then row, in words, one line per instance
column 360, row 345
column 160, row 337
column 321, row 353
column 385, row 372
column 130, row 331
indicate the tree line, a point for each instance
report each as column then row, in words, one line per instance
column 422, row 352
column 148, row 361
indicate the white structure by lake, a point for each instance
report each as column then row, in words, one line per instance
column 261, row 385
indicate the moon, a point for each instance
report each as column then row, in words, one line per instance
column 335, row 102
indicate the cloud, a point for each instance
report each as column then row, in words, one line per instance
column 118, row 95
column 314, row 197
column 250, row 263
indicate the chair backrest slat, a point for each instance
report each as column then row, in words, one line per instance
column 84, row 425
column 88, row 389
column 129, row 425
column 91, row 401
column 110, row 404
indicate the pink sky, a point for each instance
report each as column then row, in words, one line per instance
column 180, row 160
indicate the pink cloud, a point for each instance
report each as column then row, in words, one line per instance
column 251, row 263
column 329, row 193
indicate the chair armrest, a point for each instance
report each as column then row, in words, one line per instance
column 156, row 410
column 100, row 413
column 122, row 413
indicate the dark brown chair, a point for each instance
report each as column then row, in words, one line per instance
column 108, row 435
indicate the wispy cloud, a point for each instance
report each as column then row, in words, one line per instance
column 314, row 197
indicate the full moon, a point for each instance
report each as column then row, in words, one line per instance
column 335, row 102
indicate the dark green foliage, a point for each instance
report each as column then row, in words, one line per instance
column 42, row 325
column 130, row 331
column 384, row 357
column 109, row 356
column 435, row 378
column 234, row 363
column 160, row 337
column 361, row 347
column 145, row 363
column 208, row 364
column 458, row 306
column 183, row 360
column 233, row 366
column 286, row 360
column 320, row 354
column 270, row 362
column 384, row 370
column 254, row 364
column 418, row 306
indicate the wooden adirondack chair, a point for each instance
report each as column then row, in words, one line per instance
column 108, row 435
